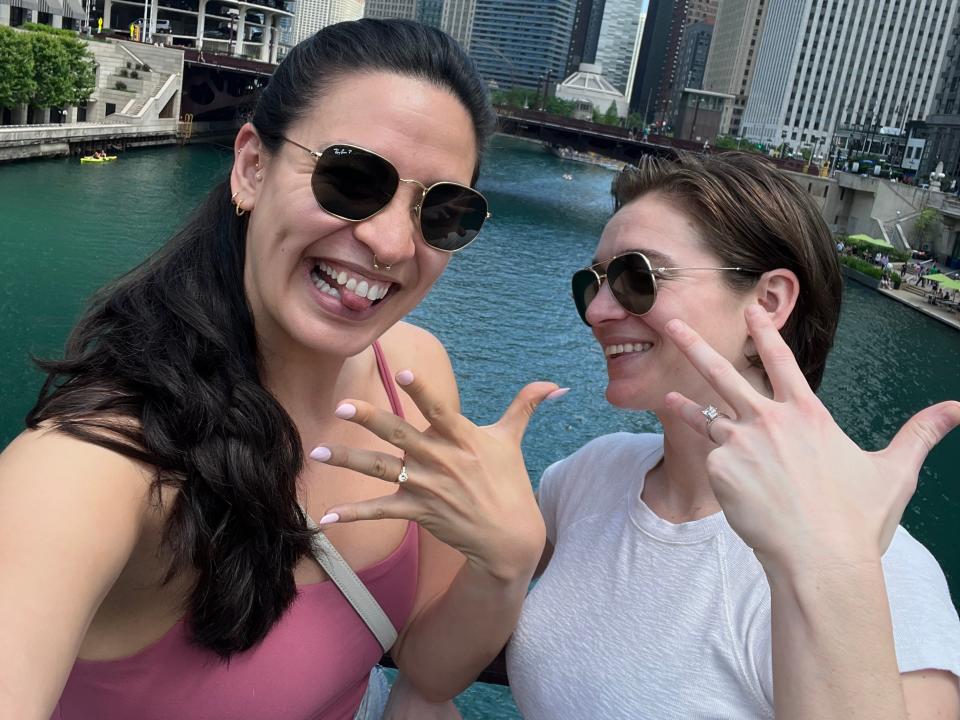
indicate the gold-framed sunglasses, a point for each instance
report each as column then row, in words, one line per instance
column 633, row 282
column 353, row 183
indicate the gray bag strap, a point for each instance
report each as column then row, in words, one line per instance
column 352, row 587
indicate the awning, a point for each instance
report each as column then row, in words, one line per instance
column 871, row 241
column 54, row 7
column 944, row 281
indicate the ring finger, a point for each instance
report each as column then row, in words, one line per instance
column 381, row 466
column 717, row 431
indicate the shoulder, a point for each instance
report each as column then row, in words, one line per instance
column 595, row 477
column 408, row 347
column 620, row 452
column 75, row 477
column 925, row 624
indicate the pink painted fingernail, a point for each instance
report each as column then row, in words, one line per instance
column 329, row 519
column 404, row 377
column 755, row 311
column 675, row 327
column 558, row 393
column 345, row 411
column 320, row 454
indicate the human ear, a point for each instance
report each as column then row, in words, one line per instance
column 777, row 293
column 246, row 173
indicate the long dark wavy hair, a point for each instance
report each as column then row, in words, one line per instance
column 163, row 365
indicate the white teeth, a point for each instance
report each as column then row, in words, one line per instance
column 362, row 288
column 610, row 350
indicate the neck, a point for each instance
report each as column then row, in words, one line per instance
column 678, row 489
column 310, row 385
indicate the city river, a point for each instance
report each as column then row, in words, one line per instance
column 502, row 309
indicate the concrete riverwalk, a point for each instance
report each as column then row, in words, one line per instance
column 919, row 302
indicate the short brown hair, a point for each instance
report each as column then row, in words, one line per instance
column 753, row 216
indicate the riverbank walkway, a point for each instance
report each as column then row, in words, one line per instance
column 919, row 303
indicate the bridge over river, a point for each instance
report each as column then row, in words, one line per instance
column 610, row 141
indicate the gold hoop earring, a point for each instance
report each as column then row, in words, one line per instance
column 238, row 209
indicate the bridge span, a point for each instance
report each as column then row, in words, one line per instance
column 610, row 141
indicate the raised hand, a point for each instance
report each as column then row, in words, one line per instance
column 466, row 484
column 790, row 482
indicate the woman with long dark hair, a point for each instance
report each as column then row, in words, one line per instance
column 158, row 553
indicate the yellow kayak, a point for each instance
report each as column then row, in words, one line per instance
column 91, row 159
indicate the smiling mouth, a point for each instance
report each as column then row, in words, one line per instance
column 354, row 291
column 612, row 351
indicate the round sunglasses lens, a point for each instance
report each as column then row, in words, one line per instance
column 632, row 283
column 353, row 183
column 451, row 216
column 584, row 286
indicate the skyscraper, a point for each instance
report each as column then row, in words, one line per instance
column 312, row 15
column 587, row 20
column 457, row 20
column 522, row 43
column 823, row 67
column 651, row 57
column 391, row 9
column 618, row 40
column 429, row 12
column 732, row 59
column 692, row 61
column 659, row 72
column 944, row 122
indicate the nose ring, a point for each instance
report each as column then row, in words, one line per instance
column 377, row 266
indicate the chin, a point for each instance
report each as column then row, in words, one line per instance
column 625, row 397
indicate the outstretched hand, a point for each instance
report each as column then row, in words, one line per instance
column 790, row 482
column 467, row 485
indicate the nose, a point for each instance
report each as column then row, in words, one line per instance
column 392, row 233
column 604, row 307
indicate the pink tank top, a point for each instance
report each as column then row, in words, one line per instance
column 312, row 665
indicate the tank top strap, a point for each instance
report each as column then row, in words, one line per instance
column 386, row 377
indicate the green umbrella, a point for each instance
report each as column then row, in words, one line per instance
column 944, row 280
column 871, row 241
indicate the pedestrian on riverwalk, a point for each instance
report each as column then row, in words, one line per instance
column 157, row 549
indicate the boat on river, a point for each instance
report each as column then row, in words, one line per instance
column 87, row 159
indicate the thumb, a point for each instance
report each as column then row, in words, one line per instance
column 920, row 434
column 516, row 417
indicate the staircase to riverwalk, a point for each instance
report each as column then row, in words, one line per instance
column 152, row 97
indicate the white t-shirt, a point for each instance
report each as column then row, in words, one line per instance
column 636, row 617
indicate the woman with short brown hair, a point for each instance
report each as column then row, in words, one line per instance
column 747, row 562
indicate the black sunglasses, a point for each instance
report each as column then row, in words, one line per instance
column 633, row 282
column 355, row 184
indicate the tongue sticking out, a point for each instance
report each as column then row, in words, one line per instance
column 354, row 301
